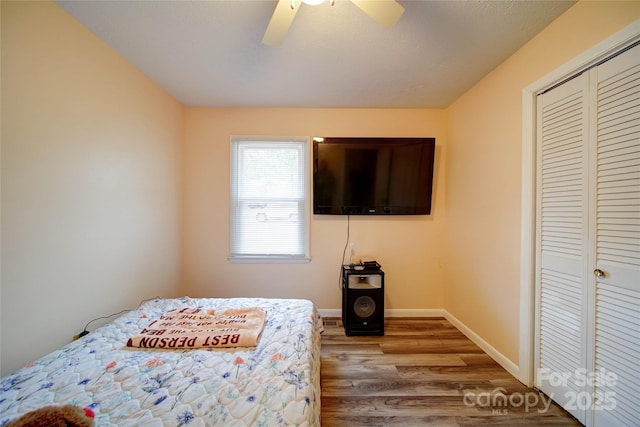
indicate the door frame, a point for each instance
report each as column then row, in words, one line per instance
column 618, row 41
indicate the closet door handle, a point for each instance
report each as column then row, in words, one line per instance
column 599, row 273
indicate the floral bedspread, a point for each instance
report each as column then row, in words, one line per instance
column 277, row 383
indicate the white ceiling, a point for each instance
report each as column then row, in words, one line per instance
column 209, row 53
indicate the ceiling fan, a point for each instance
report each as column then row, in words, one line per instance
column 384, row 12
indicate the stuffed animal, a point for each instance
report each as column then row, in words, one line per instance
column 55, row 416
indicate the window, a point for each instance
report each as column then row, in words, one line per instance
column 269, row 207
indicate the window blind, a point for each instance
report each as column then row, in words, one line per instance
column 269, row 214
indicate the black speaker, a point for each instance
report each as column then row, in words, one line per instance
column 363, row 303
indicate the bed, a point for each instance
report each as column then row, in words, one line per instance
column 275, row 383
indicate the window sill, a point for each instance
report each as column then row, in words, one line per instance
column 258, row 259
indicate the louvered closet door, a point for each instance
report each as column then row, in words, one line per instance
column 617, row 293
column 561, row 294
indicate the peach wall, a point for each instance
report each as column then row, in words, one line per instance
column 105, row 178
column 409, row 248
column 484, row 173
column 91, row 181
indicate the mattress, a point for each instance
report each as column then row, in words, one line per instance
column 275, row 383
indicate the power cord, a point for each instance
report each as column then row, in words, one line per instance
column 344, row 251
column 86, row 332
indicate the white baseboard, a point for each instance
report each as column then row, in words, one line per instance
column 501, row 359
column 400, row 312
column 414, row 312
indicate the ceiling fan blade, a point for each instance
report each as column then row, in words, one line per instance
column 281, row 20
column 384, row 12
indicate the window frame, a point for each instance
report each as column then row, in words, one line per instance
column 304, row 142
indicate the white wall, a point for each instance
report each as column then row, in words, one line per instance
column 91, row 182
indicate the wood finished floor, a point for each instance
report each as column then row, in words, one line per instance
column 418, row 374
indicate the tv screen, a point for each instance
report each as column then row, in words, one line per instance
column 373, row 176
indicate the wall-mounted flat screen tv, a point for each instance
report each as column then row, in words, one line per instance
column 372, row 176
